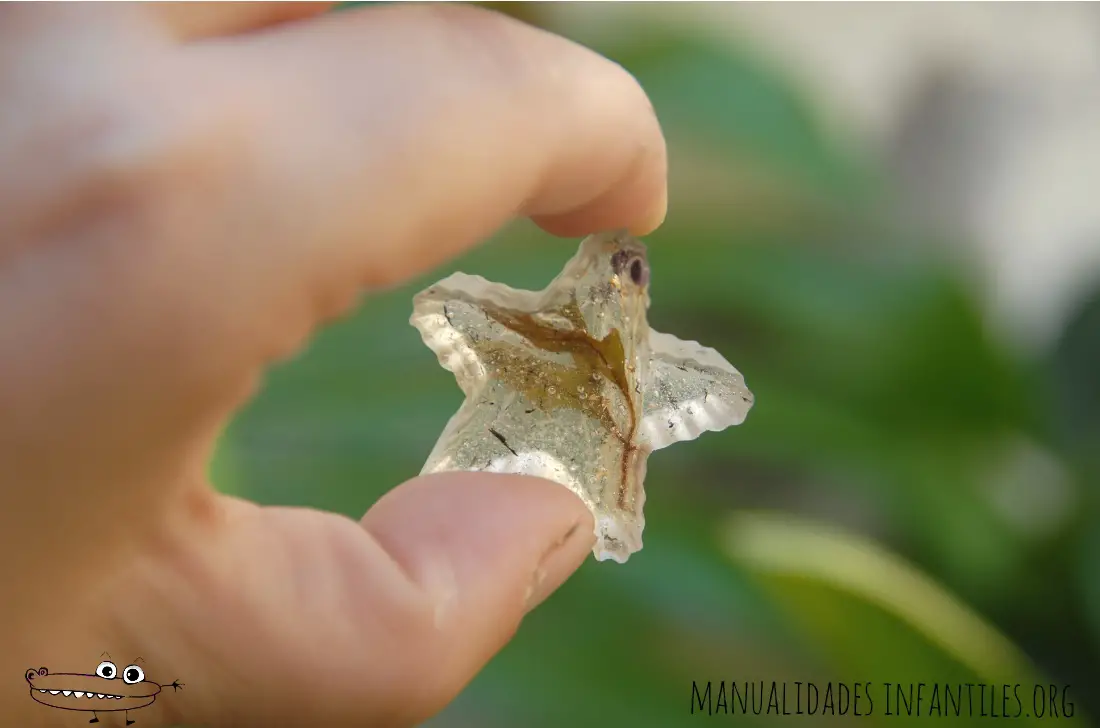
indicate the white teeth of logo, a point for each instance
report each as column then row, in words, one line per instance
column 54, row 692
column 99, row 695
column 78, row 693
column 66, row 692
column 41, row 691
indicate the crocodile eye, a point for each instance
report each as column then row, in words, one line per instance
column 626, row 263
column 107, row 670
column 133, row 674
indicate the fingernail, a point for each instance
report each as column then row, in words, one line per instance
column 559, row 562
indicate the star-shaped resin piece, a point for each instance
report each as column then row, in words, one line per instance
column 570, row 384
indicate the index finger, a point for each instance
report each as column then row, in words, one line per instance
column 388, row 140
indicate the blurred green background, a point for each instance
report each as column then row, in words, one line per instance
column 912, row 498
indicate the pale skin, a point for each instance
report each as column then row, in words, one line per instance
column 186, row 194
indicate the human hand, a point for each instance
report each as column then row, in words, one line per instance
column 186, row 194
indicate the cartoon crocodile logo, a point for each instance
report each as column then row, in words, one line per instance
column 106, row 691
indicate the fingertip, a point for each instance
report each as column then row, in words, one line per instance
column 651, row 187
column 655, row 216
column 484, row 549
column 639, row 204
column 560, row 560
column 485, row 546
column 635, row 197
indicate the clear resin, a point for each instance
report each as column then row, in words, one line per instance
column 570, row 384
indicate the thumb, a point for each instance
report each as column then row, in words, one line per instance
column 287, row 616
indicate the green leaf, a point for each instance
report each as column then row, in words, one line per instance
column 871, row 612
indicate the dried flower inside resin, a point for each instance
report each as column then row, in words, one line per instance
column 570, row 383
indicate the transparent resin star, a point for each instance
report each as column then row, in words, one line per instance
column 570, row 384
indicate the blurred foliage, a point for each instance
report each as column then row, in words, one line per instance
column 885, row 407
